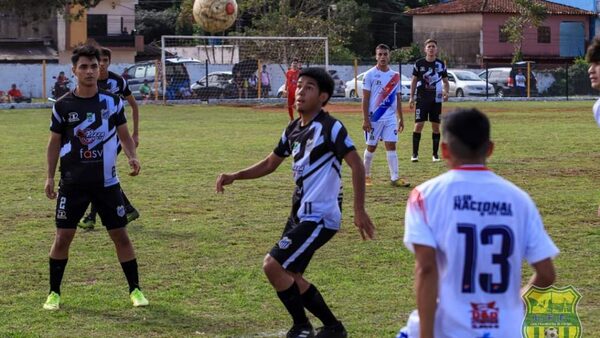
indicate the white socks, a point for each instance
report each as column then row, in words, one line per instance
column 368, row 160
column 392, row 159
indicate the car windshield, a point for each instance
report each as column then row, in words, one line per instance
column 467, row 76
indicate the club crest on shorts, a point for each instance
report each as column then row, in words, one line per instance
column 121, row 211
column 551, row 312
column 61, row 214
column 284, row 243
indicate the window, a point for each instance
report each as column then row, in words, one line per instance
column 502, row 37
column 140, row 72
column 543, row 34
column 96, row 25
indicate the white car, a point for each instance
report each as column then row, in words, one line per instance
column 338, row 90
column 466, row 83
column 357, row 83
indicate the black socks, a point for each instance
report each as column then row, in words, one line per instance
column 57, row 269
column 130, row 269
column 292, row 301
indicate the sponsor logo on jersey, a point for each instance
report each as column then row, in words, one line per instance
column 484, row 315
column 284, row 243
column 90, row 154
column 120, row 211
column 297, row 170
column 295, row 148
column 104, row 113
column 89, row 135
column 466, row 202
column 73, row 117
column 90, row 117
column 61, row 214
column 551, row 312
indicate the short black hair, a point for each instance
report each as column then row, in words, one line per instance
column 85, row 50
column 324, row 80
column 467, row 133
column 382, row 46
column 106, row 52
column 593, row 51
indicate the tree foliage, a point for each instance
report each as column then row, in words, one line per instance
column 531, row 14
column 33, row 10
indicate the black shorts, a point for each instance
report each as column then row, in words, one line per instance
column 72, row 202
column 299, row 242
column 428, row 110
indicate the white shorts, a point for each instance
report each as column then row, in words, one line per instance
column 382, row 130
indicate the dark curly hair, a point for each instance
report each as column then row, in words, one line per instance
column 593, row 51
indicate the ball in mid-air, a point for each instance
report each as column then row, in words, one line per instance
column 215, row 15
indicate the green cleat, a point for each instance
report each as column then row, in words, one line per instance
column 132, row 216
column 52, row 302
column 87, row 223
column 137, row 298
column 400, row 183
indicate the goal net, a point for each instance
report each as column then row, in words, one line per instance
column 233, row 67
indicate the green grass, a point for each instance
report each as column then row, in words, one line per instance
column 200, row 253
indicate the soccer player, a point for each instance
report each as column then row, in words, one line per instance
column 429, row 74
column 593, row 58
column 117, row 85
column 470, row 231
column 291, row 80
column 382, row 114
column 317, row 142
column 84, row 128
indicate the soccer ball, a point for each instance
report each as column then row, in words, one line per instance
column 215, row 15
column 551, row 332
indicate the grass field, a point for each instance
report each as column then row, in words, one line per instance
column 200, row 253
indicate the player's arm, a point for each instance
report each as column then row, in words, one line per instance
column 365, row 110
column 135, row 113
column 52, row 154
column 399, row 111
column 413, row 87
column 446, row 88
column 426, row 287
column 544, row 275
column 361, row 218
column 129, row 149
column 260, row 169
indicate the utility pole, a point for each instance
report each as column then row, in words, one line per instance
column 394, row 47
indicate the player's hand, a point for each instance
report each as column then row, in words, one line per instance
column 445, row 96
column 222, row 180
column 364, row 224
column 135, row 166
column 400, row 125
column 367, row 126
column 411, row 103
column 136, row 139
column 284, row 93
column 49, row 188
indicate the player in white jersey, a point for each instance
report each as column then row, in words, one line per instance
column 593, row 58
column 470, row 230
column 382, row 114
column 317, row 143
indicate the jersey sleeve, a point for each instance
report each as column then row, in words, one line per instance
column 416, row 70
column 126, row 91
column 283, row 147
column 341, row 143
column 57, row 123
column 416, row 226
column 367, row 82
column 539, row 244
column 444, row 72
column 120, row 113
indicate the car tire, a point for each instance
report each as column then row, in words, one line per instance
column 500, row 92
column 460, row 93
column 353, row 94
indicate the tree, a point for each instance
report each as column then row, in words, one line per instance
column 153, row 24
column 530, row 14
column 33, row 10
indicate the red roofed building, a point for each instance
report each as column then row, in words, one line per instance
column 469, row 31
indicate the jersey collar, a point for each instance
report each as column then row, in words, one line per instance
column 472, row 167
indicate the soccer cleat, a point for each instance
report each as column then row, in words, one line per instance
column 52, row 302
column 400, row 183
column 132, row 215
column 414, row 158
column 301, row 331
column 332, row 331
column 87, row 223
column 368, row 181
column 137, row 298
column 435, row 158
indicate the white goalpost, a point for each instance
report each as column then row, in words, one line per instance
column 233, row 67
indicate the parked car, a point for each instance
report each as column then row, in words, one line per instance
column 218, row 87
column 357, row 83
column 178, row 78
column 503, row 79
column 338, row 90
column 466, row 83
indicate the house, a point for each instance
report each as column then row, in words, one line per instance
column 588, row 5
column 470, row 31
column 111, row 24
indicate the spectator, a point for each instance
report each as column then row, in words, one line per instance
column 265, row 82
column 145, row 90
column 3, row 97
column 15, row 95
column 61, row 79
column 520, row 82
column 238, row 80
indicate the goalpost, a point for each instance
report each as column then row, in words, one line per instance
column 231, row 67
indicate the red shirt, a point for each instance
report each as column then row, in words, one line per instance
column 291, row 78
column 15, row 93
